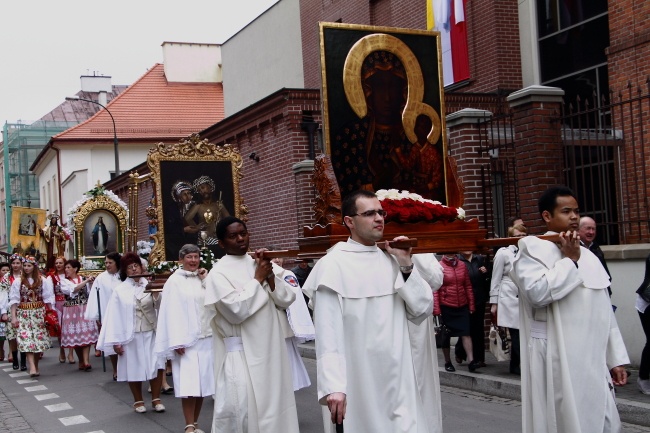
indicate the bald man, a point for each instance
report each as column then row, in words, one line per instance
column 587, row 231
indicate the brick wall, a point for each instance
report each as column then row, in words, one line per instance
column 279, row 201
column 492, row 32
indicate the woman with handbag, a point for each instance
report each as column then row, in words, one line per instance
column 28, row 298
column 130, row 330
column 454, row 302
column 77, row 332
column 504, row 295
column 56, row 276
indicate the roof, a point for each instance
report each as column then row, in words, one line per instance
column 79, row 111
column 153, row 109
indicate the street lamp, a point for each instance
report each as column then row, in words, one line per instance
column 117, row 157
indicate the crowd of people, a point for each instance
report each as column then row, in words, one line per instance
column 231, row 333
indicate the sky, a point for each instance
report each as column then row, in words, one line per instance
column 47, row 45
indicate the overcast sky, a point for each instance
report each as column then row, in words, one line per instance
column 47, row 45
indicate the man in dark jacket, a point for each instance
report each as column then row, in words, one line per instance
column 479, row 275
column 587, row 231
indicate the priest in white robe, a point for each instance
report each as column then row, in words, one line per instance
column 252, row 373
column 184, row 335
column 375, row 347
column 572, row 350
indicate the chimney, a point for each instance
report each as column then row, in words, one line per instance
column 102, row 98
column 96, row 83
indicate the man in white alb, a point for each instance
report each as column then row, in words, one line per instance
column 374, row 343
column 254, row 389
column 572, row 350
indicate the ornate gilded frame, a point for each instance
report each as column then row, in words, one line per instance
column 185, row 155
column 85, row 211
column 343, row 50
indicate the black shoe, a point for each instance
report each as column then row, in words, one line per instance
column 472, row 366
column 449, row 366
column 14, row 355
column 516, row 370
column 23, row 361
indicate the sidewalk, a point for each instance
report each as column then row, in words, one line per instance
column 495, row 379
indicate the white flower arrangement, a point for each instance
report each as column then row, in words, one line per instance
column 90, row 265
column 144, row 249
column 70, row 229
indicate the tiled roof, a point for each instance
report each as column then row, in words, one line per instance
column 153, row 109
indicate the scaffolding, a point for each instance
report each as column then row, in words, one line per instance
column 22, row 142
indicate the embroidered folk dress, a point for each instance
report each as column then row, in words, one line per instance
column 59, row 297
column 31, row 334
column 76, row 331
column 131, row 322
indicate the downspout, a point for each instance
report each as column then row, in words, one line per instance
column 58, row 170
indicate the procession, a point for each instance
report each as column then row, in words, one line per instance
column 373, row 216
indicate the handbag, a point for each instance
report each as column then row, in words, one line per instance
column 442, row 333
column 499, row 344
column 52, row 322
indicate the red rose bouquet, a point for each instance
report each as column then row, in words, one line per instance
column 406, row 207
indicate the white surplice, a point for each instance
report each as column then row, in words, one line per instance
column 104, row 285
column 503, row 290
column 374, row 340
column 252, row 375
column 183, row 324
column 569, row 338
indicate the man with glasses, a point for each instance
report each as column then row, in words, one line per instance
column 377, row 368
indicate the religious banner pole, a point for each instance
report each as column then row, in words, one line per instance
column 99, row 310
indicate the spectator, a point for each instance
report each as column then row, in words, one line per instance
column 454, row 302
column 477, row 265
column 587, row 232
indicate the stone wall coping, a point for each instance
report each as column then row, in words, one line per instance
column 623, row 252
column 467, row 115
column 304, row 166
column 535, row 93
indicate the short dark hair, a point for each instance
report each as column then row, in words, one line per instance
column 349, row 205
column 3, row 264
column 126, row 260
column 115, row 256
column 74, row 263
column 511, row 221
column 223, row 224
column 548, row 200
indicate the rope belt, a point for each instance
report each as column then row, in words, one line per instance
column 233, row 344
column 31, row 305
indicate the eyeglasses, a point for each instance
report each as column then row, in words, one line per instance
column 371, row 213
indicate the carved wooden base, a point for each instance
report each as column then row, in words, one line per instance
column 439, row 237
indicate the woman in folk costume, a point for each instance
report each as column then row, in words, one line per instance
column 184, row 335
column 77, row 332
column 100, row 293
column 56, row 276
column 5, row 269
column 129, row 329
column 16, row 263
column 28, row 297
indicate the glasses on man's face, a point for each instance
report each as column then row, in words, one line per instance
column 371, row 213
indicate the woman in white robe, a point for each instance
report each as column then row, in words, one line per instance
column 100, row 293
column 129, row 329
column 184, row 335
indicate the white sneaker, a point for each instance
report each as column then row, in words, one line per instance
column 644, row 386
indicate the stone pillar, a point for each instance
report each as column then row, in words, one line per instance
column 463, row 145
column 305, row 194
column 539, row 152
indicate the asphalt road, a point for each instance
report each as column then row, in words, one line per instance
column 64, row 399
